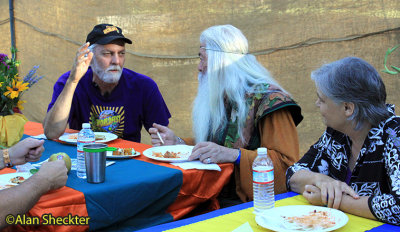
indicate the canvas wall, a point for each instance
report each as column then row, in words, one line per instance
column 290, row 38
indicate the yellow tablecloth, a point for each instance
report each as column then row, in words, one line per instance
column 233, row 220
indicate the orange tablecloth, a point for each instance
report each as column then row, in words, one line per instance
column 198, row 186
column 72, row 201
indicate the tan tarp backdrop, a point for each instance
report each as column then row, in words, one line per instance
column 290, row 38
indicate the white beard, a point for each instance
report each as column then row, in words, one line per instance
column 201, row 110
column 105, row 75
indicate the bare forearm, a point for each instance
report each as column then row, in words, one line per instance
column 357, row 207
column 57, row 118
column 20, row 199
column 302, row 178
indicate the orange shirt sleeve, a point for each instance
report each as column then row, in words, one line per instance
column 189, row 141
column 278, row 134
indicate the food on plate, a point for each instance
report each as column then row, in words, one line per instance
column 62, row 156
column 99, row 137
column 17, row 179
column 73, row 136
column 313, row 220
column 167, row 154
column 124, row 151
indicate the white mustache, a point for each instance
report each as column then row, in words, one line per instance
column 113, row 67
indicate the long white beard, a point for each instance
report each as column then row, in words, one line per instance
column 105, row 75
column 201, row 110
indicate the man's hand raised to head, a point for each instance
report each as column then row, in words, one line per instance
column 81, row 64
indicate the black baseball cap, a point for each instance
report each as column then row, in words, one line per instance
column 105, row 34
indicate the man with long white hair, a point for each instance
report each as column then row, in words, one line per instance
column 107, row 95
column 239, row 107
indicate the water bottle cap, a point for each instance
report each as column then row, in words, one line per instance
column 262, row 150
column 86, row 125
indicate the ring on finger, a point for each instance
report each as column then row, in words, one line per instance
column 207, row 160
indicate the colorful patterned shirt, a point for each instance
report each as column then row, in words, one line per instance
column 260, row 103
column 377, row 170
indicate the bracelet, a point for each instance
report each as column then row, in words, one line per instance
column 237, row 162
column 180, row 141
column 6, row 158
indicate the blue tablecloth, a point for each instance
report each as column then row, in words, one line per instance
column 134, row 195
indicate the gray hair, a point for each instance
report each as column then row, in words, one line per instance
column 352, row 79
column 231, row 71
column 92, row 47
column 227, row 54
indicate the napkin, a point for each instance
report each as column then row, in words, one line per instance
column 24, row 167
column 41, row 136
column 197, row 165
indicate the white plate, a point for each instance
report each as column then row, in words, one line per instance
column 274, row 218
column 110, row 156
column 185, row 152
column 5, row 179
column 108, row 137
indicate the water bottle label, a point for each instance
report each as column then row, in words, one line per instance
column 80, row 145
column 263, row 176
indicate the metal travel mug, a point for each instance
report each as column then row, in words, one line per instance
column 95, row 161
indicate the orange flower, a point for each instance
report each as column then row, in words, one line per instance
column 17, row 87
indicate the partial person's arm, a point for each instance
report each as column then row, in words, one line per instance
column 278, row 134
column 27, row 150
column 167, row 135
column 188, row 141
column 332, row 191
column 357, row 207
column 304, row 177
column 21, row 198
column 56, row 119
column 159, row 132
column 308, row 172
column 348, row 204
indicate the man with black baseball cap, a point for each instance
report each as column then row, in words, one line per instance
column 105, row 34
column 107, row 95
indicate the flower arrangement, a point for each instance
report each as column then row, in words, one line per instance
column 12, row 86
column 395, row 70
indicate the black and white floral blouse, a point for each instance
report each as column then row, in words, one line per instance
column 377, row 170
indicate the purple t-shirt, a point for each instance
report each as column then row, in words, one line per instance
column 134, row 102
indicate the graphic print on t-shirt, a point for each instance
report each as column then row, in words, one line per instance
column 108, row 119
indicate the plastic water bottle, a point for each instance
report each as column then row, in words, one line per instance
column 263, row 182
column 85, row 136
